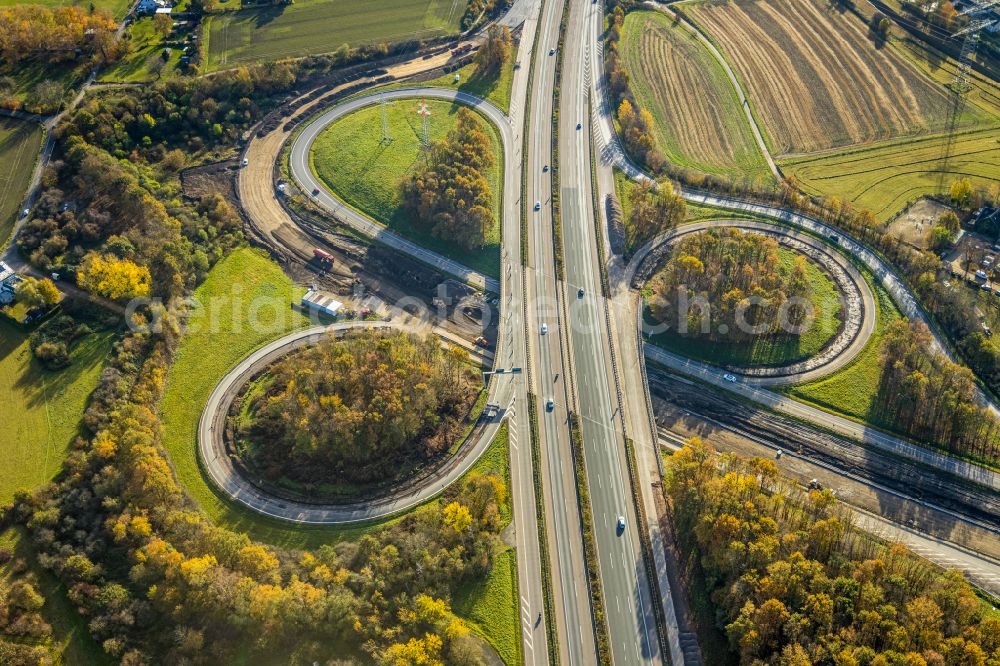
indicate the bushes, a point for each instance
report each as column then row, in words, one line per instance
column 50, row 343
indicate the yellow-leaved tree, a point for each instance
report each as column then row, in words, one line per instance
column 114, row 278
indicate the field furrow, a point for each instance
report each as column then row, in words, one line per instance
column 698, row 121
column 818, row 79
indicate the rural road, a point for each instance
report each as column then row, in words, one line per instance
column 860, row 315
column 308, row 182
column 212, row 449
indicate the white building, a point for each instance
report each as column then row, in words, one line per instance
column 320, row 302
column 8, row 284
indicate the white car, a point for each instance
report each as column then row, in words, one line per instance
column 729, row 377
column 552, row 51
column 538, row 205
column 246, row 161
column 545, row 329
column 621, row 523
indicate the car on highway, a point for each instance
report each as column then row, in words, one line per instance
column 550, row 404
column 538, row 205
column 545, row 169
column 621, row 524
column 552, row 51
column 246, row 161
column 545, row 329
column 579, row 125
column 315, row 191
column 729, row 377
column 579, row 292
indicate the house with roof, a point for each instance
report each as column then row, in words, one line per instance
column 8, row 284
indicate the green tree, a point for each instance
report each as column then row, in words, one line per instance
column 34, row 292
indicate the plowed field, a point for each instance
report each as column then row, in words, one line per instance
column 698, row 120
column 816, row 78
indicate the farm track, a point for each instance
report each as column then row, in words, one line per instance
column 797, row 56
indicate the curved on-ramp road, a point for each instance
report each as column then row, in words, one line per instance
column 308, row 182
column 220, row 467
column 211, row 447
column 858, row 301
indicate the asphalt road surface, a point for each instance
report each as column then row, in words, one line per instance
column 308, row 182
column 571, row 596
column 627, row 595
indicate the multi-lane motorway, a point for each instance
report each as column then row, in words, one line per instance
column 627, row 595
column 588, row 362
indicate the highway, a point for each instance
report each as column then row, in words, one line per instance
column 511, row 351
column 509, row 391
column 548, row 376
column 628, row 599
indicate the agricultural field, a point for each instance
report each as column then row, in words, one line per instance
column 769, row 350
column 698, row 120
column 41, row 408
column 817, row 80
column 884, row 178
column 350, row 157
column 19, row 144
column 322, row 26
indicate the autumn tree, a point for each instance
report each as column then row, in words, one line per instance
column 961, row 192
column 738, row 278
column 654, row 209
column 162, row 23
column 929, row 397
column 34, row 292
column 495, row 51
column 792, row 582
column 359, row 408
column 113, row 278
column 449, row 193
